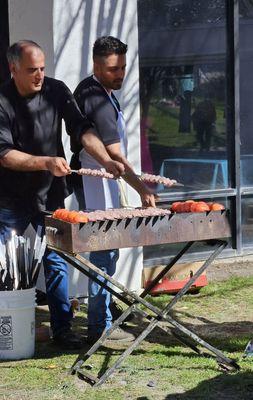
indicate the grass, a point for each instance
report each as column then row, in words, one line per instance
column 160, row 368
column 165, row 121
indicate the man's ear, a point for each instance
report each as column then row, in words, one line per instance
column 13, row 68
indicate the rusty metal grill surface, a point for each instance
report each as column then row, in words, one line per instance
column 139, row 231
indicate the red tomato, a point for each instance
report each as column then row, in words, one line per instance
column 62, row 214
column 72, row 217
column 54, row 215
column 201, row 207
column 174, row 206
column 188, row 204
column 57, row 213
column 193, row 206
column 180, row 207
column 217, row 207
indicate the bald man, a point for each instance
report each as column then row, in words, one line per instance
column 33, row 165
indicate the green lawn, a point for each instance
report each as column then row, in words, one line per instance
column 164, row 121
column 160, row 368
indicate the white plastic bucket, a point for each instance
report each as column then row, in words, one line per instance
column 17, row 324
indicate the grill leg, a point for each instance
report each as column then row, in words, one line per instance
column 73, row 260
column 159, row 315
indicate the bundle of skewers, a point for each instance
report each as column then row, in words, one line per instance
column 19, row 261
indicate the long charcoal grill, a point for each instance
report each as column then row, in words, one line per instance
column 69, row 240
column 138, row 231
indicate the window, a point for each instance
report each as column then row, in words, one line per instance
column 4, row 40
column 246, row 91
column 182, row 52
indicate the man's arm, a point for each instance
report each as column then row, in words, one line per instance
column 95, row 147
column 147, row 197
column 113, row 160
column 19, row 161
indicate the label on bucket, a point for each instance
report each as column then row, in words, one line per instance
column 6, row 339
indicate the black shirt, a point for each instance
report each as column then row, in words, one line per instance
column 94, row 102
column 34, row 125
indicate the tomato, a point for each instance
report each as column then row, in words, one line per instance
column 193, row 206
column 54, row 215
column 57, row 213
column 217, row 207
column 65, row 215
column 187, row 205
column 174, row 206
column 61, row 214
column 201, row 207
column 73, row 217
column 180, row 207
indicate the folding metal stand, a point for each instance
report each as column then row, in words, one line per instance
column 133, row 301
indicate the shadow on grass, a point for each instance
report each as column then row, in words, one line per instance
column 226, row 336
column 231, row 387
column 221, row 334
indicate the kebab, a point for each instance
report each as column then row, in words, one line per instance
column 147, row 178
column 110, row 215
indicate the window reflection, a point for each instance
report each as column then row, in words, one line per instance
column 247, row 221
column 182, row 91
column 246, row 91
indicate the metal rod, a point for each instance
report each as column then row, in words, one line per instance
column 154, row 321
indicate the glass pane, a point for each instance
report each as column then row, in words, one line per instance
column 182, row 50
column 4, row 40
column 246, row 91
column 247, row 221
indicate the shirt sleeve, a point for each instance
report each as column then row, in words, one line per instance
column 76, row 123
column 6, row 139
column 100, row 111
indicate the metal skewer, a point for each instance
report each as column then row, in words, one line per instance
column 19, row 264
column 176, row 184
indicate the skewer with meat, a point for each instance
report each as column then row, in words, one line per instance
column 147, row 178
column 94, row 172
column 109, row 215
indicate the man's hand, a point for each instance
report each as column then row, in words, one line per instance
column 115, row 167
column 148, row 199
column 58, row 166
column 19, row 161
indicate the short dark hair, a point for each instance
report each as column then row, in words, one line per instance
column 107, row 45
column 14, row 52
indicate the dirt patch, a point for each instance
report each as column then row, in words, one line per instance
column 220, row 270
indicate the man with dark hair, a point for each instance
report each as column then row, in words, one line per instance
column 96, row 99
column 33, row 165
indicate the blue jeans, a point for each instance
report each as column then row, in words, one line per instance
column 55, row 268
column 99, row 314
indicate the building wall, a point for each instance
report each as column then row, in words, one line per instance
column 33, row 19
column 67, row 29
